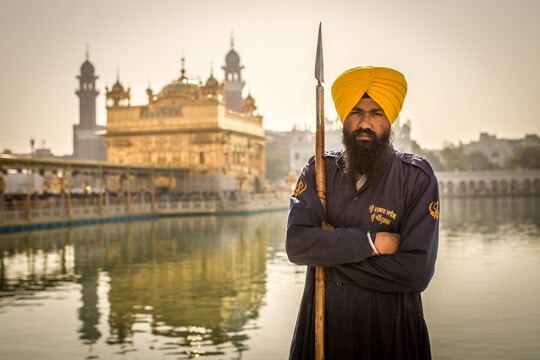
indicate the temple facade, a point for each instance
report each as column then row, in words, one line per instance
column 206, row 127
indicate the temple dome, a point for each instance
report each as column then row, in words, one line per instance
column 248, row 105
column 180, row 87
column 249, row 99
column 117, row 87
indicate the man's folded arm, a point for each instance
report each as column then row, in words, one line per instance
column 307, row 243
column 411, row 268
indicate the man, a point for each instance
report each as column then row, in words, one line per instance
column 378, row 242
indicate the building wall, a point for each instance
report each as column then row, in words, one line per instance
column 500, row 151
column 302, row 146
column 488, row 183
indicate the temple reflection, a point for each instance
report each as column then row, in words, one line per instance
column 35, row 261
column 196, row 281
column 200, row 280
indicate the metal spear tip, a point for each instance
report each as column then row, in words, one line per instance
column 319, row 65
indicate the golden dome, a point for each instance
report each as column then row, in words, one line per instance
column 117, row 87
column 248, row 106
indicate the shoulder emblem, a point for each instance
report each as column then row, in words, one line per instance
column 300, row 188
column 434, row 209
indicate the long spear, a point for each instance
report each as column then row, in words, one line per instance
column 320, row 179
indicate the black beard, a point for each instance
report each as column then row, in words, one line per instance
column 364, row 157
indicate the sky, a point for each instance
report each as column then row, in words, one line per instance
column 471, row 65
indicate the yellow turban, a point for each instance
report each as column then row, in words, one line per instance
column 387, row 87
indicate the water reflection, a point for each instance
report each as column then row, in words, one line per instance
column 200, row 280
column 32, row 262
column 222, row 287
column 489, row 215
column 482, row 302
column 196, row 281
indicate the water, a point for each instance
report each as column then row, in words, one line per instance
column 222, row 288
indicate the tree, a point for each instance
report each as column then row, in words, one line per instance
column 454, row 158
column 433, row 159
column 526, row 158
column 276, row 167
column 478, row 161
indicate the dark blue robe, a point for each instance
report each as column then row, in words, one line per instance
column 373, row 303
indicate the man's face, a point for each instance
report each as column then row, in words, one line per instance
column 367, row 122
column 366, row 136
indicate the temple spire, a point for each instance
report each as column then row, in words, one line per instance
column 183, row 68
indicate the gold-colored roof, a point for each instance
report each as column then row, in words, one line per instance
column 183, row 88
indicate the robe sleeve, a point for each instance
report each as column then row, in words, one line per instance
column 307, row 243
column 411, row 268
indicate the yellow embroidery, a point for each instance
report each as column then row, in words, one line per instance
column 300, row 188
column 381, row 215
column 434, row 209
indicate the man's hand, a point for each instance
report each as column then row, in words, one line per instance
column 327, row 226
column 387, row 243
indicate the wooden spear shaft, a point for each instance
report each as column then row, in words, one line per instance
column 320, row 179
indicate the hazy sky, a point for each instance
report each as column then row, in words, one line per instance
column 471, row 65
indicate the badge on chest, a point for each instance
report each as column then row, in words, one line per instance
column 381, row 215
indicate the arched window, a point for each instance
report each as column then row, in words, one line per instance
column 472, row 187
column 494, row 187
column 482, row 188
column 201, row 158
column 504, row 187
column 514, row 186
column 462, row 188
column 450, row 188
column 536, row 186
column 526, row 186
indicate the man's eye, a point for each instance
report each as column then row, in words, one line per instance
column 378, row 113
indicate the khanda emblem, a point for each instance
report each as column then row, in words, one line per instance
column 300, row 188
column 434, row 209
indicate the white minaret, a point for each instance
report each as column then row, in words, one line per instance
column 86, row 143
column 233, row 84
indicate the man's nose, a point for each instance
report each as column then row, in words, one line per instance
column 365, row 122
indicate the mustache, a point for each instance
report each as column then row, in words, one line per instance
column 361, row 131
